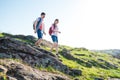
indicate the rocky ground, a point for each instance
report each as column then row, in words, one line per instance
column 32, row 56
column 21, row 60
column 18, row 71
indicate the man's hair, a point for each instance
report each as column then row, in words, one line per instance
column 42, row 13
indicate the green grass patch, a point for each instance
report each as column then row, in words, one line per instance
column 3, row 76
column 1, row 35
column 94, row 72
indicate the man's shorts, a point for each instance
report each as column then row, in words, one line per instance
column 39, row 34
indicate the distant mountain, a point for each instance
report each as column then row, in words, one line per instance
column 114, row 52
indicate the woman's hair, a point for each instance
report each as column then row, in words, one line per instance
column 54, row 22
column 57, row 20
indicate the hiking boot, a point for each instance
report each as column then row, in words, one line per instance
column 38, row 46
column 57, row 55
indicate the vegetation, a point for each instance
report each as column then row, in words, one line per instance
column 92, row 64
column 3, row 76
column 1, row 35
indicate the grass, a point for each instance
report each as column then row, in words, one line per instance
column 90, row 73
column 85, row 55
column 25, row 41
column 3, row 76
column 1, row 35
column 87, row 73
column 94, row 72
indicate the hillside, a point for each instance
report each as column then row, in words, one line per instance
column 114, row 52
column 21, row 60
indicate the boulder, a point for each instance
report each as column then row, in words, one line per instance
column 98, row 79
column 19, row 71
column 3, row 69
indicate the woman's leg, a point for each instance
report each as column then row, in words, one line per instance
column 56, row 46
column 53, row 46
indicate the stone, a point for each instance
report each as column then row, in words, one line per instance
column 19, row 71
column 76, row 72
column 3, row 69
column 98, row 79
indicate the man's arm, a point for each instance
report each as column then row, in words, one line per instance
column 43, row 28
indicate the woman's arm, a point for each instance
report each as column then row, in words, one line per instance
column 54, row 30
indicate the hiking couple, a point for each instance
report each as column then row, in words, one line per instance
column 39, row 28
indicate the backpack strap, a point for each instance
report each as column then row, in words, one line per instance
column 53, row 26
column 38, row 23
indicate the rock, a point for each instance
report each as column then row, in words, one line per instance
column 112, row 66
column 80, row 54
column 75, row 72
column 19, row 71
column 76, row 79
column 101, row 60
column 31, row 55
column 106, row 65
column 28, row 39
column 89, row 65
column 81, row 49
column 67, row 54
column 98, row 79
column 1, row 78
column 3, row 69
column 113, row 79
column 11, row 78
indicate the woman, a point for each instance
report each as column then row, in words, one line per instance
column 54, row 35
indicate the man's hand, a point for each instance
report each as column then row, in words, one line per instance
column 44, row 33
column 34, row 31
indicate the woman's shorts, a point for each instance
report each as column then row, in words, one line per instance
column 54, row 38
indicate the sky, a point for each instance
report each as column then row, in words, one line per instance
column 92, row 24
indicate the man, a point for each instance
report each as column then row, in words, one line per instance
column 39, row 28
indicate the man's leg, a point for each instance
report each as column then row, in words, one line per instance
column 36, row 43
column 39, row 34
column 39, row 41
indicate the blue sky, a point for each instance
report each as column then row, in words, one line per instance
column 93, row 24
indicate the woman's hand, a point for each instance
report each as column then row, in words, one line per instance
column 59, row 32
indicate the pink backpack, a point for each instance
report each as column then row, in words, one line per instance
column 50, row 30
